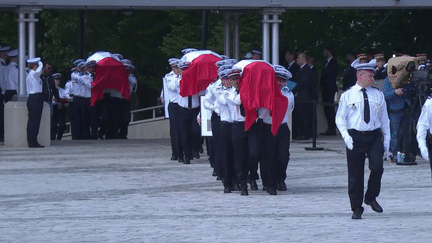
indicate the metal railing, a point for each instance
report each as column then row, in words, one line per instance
column 135, row 119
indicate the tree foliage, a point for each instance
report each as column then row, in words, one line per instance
column 149, row 38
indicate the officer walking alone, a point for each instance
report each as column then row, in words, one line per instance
column 362, row 120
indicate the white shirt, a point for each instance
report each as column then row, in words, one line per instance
column 62, row 94
column 3, row 71
column 424, row 122
column 11, row 78
column 225, row 113
column 350, row 113
column 209, row 99
column 84, row 85
column 133, row 84
column 171, row 95
column 264, row 113
column 33, row 80
column 233, row 100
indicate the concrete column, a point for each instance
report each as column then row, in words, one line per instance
column 227, row 35
column 265, row 38
column 32, row 35
column 237, row 36
column 22, row 53
column 275, row 39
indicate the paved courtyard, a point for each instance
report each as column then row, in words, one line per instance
column 129, row 191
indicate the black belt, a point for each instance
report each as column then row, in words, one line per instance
column 364, row 132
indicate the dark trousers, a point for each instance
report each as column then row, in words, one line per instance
column 124, row 119
column 215, row 152
column 8, row 95
column 241, row 153
column 35, row 107
column 189, row 130
column 329, row 110
column 1, row 116
column 96, row 118
column 176, row 146
column 73, row 121
column 370, row 144
column 114, row 116
column 276, row 158
column 254, row 148
column 82, row 116
column 302, row 119
column 58, row 122
column 227, row 153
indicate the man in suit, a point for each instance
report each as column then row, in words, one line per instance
column 303, row 95
column 328, row 89
column 293, row 67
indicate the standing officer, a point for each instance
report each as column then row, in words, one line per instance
column 34, row 101
column 362, row 120
column 3, row 71
column 11, row 77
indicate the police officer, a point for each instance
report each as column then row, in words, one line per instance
column 34, row 101
column 363, row 121
column 3, row 71
column 11, row 77
column 58, row 117
column 423, row 125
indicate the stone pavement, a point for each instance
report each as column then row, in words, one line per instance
column 129, row 191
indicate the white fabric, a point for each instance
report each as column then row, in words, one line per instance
column 11, row 77
column 233, row 101
column 264, row 113
column 209, row 99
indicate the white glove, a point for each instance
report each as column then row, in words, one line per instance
column 348, row 140
column 217, row 110
column 424, row 152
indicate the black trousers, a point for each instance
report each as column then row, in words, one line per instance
column 216, row 148
column 1, row 116
column 241, row 153
column 35, row 107
column 189, row 130
column 302, row 119
column 114, row 117
column 227, row 153
column 9, row 94
column 96, row 118
column 58, row 122
column 370, row 144
column 82, row 116
column 124, row 119
column 329, row 110
column 73, row 120
column 176, row 145
column 276, row 154
column 255, row 143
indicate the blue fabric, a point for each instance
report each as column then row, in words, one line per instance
column 396, row 121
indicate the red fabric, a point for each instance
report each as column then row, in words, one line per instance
column 197, row 77
column 259, row 89
column 110, row 74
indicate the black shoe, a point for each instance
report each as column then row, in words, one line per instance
column 357, row 213
column 214, row 172
column 36, row 145
column 244, row 192
column 187, row 161
column 264, row 188
column 196, row 155
column 235, row 187
column 174, row 157
column 218, row 178
column 180, row 160
column 227, row 189
column 253, row 185
column 329, row 133
column 271, row 191
column 374, row 205
column 281, row 186
column 201, row 150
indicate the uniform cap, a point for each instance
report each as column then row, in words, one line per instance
column 283, row 73
column 91, row 64
column 183, row 65
column 234, row 72
column 81, row 64
column 173, row 61
column 254, row 51
column 125, row 61
column 33, row 60
column 224, row 73
column 117, row 56
column 78, row 61
column 129, row 67
column 248, row 55
column 13, row 53
column 366, row 66
column 5, row 48
column 187, row 50
column 224, row 57
column 57, row 75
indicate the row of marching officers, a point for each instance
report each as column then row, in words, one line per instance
column 235, row 151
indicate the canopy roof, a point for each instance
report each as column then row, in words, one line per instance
column 212, row 4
